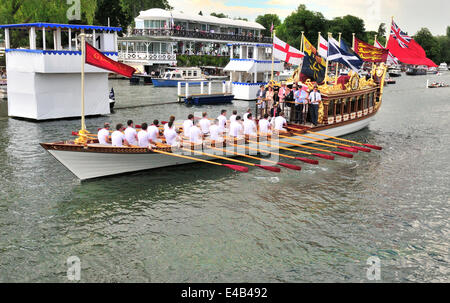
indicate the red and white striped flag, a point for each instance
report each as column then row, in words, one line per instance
column 287, row 53
column 323, row 47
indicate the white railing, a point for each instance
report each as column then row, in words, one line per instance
column 145, row 56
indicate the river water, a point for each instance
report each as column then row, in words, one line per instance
column 199, row 223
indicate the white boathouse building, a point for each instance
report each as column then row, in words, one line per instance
column 44, row 76
column 160, row 35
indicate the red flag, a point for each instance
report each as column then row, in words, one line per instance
column 96, row 58
column 406, row 49
column 370, row 53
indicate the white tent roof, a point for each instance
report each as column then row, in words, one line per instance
column 157, row 13
column 239, row 66
column 252, row 66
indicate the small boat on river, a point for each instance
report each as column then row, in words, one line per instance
column 191, row 75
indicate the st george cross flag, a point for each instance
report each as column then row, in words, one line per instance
column 406, row 49
column 323, row 47
column 287, row 53
column 344, row 56
column 96, row 58
column 391, row 60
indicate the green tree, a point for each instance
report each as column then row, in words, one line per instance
column 347, row 25
column 134, row 7
column 370, row 37
column 200, row 13
column 219, row 15
column 267, row 20
column 429, row 43
column 302, row 20
column 113, row 10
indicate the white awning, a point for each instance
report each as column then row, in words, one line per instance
column 239, row 66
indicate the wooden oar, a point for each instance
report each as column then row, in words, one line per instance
column 230, row 166
column 318, row 149
column 290, row 166
column 306, row 160
column 344, row 140
column 367, row 150
column 323, row 144
column 270, row 168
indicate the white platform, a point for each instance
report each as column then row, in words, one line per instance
column 46, row 85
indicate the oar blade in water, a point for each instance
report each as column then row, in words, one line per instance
column 290, row 166
column 237, row 167
column 269, row 168
column 309, row 161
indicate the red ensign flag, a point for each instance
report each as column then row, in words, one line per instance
column 96, row 58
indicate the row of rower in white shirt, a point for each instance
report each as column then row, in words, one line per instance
column 237, row 128
column 150, row 135
column 129, row 136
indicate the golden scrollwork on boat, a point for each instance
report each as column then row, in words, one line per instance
column 321, row 113
column 82, row 137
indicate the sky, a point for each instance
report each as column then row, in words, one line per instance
column 410, row 15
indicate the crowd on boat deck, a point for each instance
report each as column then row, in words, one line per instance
column 193, row 130
column 298, row 101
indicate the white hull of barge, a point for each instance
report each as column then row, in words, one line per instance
column 88, row 165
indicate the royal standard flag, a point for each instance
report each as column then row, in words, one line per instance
column 370, row 53
column 314, row 66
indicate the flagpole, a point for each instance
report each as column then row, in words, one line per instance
column 353, row 41
column 301, row 42
column 373, row 63
column 326, row 69
column 337, row 63
column 83, row 59
column 318, row 42
column 273, row 35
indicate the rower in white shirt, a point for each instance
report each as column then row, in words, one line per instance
column 187, row 124
column 249, row 111
column 130, row 133
column 205, row 124
column 214, row 131
column 264, row 125
column 233, row 117
column 236, row 129
column 171, row 119
column 118, row 138
column 195, row 134
column 103, row 135
column 249, row 126
column 222, row 121
column 171, row 135
column 153, row 132
column 143, row 139
column 280, row 122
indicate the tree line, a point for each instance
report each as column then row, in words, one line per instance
column 290, row 30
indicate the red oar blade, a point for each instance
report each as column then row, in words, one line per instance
column 349, row 149
column 269, row 168
column 164, row 122
column 367, row 150
column 373, row 146
column 237, row 167
column 74, row 134
column 306, row 160
column 328, row 157
column 290, row 166
column 343, row 154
